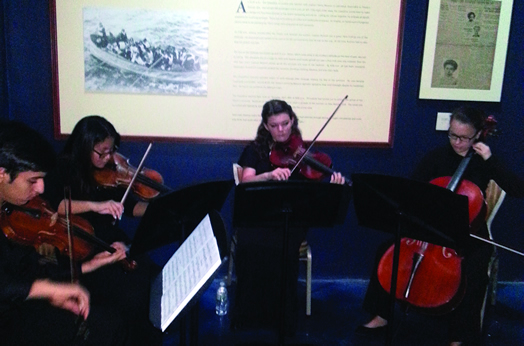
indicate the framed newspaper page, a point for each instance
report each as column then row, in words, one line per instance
column 465, row 49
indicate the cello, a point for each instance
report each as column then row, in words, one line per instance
column 430, row 276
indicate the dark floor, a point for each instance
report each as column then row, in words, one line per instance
column 336, row 312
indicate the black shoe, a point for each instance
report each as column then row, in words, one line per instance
column 365, row 331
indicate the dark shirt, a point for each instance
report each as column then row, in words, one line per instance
column 251, row 158
column 444, row 161
column 103, row 224
column 20, row 266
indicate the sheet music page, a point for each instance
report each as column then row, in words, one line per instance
column 188, row 270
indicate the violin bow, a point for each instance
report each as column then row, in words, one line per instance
column 318, row 134
column 139, row 168
column 497, row 244
column 67, row 199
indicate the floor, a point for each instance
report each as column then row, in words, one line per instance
column 336, row 312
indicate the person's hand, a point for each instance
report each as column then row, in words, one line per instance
column 115, row 209
column 72, row 297
column 482, row 149
column 104, row 258
column 279, row 174
column 337, row 178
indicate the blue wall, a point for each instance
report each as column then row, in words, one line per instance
column 346, row 250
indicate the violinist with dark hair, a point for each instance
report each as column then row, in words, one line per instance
column 90, row 147
column 258, row 250
column 38, row 303
column 466, row 126
column 278, row 126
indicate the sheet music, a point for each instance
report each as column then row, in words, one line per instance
column 188, row 270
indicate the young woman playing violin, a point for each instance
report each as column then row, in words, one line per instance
column 90, row 147
column 258, row 251
column 38, row 306
column 279, row 124
column 466, row 126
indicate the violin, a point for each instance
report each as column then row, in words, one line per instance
column 35, row 223
column 119, row 173
column 313, row 166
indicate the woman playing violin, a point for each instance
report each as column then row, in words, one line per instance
column 279, row 123
column 38, row 306
column 466, row 125
column 259, row 250
column 89, row 148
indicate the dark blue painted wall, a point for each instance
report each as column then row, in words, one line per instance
column 346, row 250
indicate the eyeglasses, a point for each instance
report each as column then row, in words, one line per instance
column 454, row 137
column 106, row 154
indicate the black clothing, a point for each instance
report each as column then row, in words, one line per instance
column 103, row 224
column 258, row 260
column 251, row 158
column 444, row 161
column 35, row 321
column 111, row 285
column 464, row 321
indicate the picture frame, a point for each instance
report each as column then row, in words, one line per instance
column 247, row 62
column 465, row 50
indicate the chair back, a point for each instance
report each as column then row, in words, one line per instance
column 237, row 173
column 494, row 198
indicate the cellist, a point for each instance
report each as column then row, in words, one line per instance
column 466, row 126
column 38, row 306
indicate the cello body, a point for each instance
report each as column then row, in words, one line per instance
column 430, row 276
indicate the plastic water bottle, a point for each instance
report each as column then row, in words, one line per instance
column 222, row 303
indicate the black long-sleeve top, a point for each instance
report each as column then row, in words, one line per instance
column 444, row 161
column 20, row 266
column 103, row 224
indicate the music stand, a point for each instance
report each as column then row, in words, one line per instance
column 167, row 218
column 155, row 310
column 408, row 208
column 289, row 204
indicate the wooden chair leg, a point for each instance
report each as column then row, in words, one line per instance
column 308, row 281
column 305, row 256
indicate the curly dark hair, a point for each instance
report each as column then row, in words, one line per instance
column 263, row 141
column 451, row 62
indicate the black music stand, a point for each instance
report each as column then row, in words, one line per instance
column 289, row 204
column 171, row 217
column 408, row 208
column 191, row 308
column 167, row 218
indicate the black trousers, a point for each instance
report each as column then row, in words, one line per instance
column 128, row 293
column 258, row 262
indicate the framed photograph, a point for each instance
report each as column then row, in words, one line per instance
column 201, row 70
column 465, row 50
